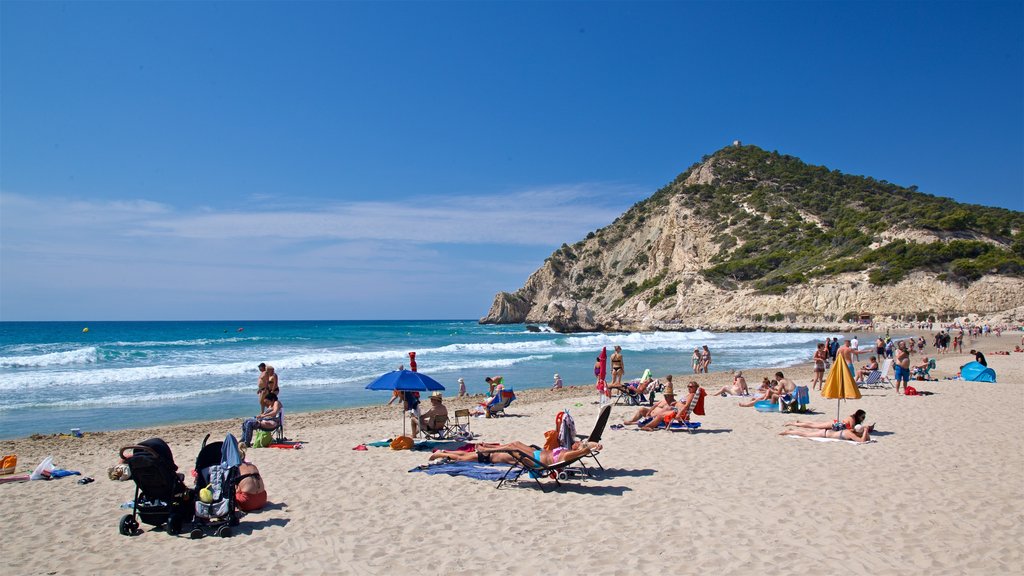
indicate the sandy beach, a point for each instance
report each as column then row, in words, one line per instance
column 940, row 491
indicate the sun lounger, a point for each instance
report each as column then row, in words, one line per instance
column 595, row 437
column 529, row 465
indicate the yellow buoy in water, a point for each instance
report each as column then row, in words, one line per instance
column 86, row 329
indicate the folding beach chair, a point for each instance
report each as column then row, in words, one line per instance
column 435, row 428
column 879, row 378
column 458, row 426
column 797, row 401
column 278, row 432
column 926, row 372
column 498, row 409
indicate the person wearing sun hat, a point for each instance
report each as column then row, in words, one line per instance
column 663, row 407
column 558, row 383
column 462, row 387
column 432, row 420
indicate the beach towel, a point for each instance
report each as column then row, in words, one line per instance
column 435, row 445
column 696, row 405
column 566, row 430
column 470, row 469
column 819, row 439
column 286, row 445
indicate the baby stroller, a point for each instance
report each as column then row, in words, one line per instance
column 217, row 477
column 160, row 495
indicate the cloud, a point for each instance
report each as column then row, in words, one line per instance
column 120, row 258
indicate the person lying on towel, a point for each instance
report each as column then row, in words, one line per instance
column 850, row 428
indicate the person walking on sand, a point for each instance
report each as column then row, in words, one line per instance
column 618, row 368
column 845, row 355
column 705, row 359
column 820, row 355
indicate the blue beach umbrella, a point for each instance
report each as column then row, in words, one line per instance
column 405, row 381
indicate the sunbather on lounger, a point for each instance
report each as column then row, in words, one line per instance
column 502, row 454
column 664, row 406
column 680, row 410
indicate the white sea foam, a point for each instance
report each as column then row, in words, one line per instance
column 196, row 342
column 85, row 355
column 122, row 399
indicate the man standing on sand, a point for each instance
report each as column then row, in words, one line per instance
column 618, row 368
column 902, row 367
column 266, row 383
column 845, row 354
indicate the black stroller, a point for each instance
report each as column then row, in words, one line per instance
column 161, row 498
column 217, row 477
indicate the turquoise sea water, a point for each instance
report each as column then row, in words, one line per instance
column 55, row 377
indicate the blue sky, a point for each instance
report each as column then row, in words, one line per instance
column 317, row 160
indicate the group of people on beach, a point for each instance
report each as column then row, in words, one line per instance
column 271, row 410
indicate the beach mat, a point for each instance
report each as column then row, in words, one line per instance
column 470, row 469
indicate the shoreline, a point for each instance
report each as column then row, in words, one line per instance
column 954, row 497
column 801, row 373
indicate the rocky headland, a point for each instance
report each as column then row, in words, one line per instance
column 752, row 240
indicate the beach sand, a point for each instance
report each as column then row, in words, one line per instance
column 941, row 491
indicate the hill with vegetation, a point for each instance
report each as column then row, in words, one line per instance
column 777, row 238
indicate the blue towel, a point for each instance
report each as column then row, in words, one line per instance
column 432, row 445
column 471, row 469
column 59, row 473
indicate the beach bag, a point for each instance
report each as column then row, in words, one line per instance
column 262, row 439
column 911, row 391
column 551, row 440
column 402, row 443
column 8, row 464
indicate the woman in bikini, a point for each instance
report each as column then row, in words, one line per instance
column 618, row 368
column 695, row 360
column 705, row 359
column 819, row 367
column 845, row 429
column 502, row 454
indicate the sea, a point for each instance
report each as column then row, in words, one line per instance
column 55, row 376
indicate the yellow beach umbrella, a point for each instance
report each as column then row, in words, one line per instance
column 840, row 384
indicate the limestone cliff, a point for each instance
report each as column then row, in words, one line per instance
column 738, row 242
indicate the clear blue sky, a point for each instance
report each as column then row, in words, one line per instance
column 317, row 160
